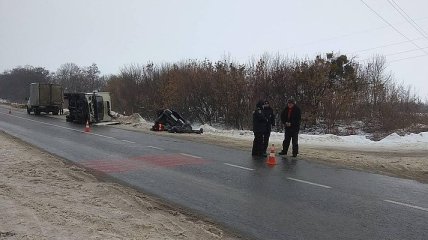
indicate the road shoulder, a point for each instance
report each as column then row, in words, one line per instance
column 44, row 197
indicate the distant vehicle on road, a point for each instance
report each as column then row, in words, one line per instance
column 45, row 97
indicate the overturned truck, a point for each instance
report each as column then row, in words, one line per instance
column 171, row 121
column 88, row 107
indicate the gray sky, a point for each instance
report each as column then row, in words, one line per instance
column 115, row 33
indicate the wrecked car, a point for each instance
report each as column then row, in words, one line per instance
column 171, row 121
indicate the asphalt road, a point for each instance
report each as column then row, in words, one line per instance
column 294, row 199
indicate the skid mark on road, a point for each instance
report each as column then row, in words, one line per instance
column 141, row 162
column 112, row 166
column 170, row 160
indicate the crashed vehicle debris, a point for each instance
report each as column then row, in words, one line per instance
column 171, row 121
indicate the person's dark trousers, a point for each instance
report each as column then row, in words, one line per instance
column 291, row 137
column 266, row 137
column 257, row 144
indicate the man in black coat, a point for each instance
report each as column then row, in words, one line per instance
column 268, row 112
column 290, row 118
column 260, row 127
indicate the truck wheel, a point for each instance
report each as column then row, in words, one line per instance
column 36, row 111
column 55, row 112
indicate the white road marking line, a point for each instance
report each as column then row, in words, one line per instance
column 127, row 141
column 99, row 135
column 407, row 205
column 158, row 148
column 72, row 129
column 311, row 183
column 193, row 156
column 49, row 124
column 232, row 165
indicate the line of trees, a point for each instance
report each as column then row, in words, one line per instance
column 330, row 90
column 14, row 84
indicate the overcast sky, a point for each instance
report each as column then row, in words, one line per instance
column 115, row 33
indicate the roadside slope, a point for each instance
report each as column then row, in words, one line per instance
column 42, row 197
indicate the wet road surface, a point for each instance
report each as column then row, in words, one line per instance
column 294, row 199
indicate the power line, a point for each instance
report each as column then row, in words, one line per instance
column 328, row 39
column 392, row 26
column 411, row 50
column 401, row 59
column 383, row 46
column 407, row 18
column 426, row 34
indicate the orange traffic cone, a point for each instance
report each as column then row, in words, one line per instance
column 87, row 129
column 160, row 127
column 271, row 158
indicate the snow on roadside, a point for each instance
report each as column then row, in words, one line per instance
column 135, row 120
column 391, row 142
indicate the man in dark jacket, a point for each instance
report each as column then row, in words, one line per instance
column 260, row 127
column 268, row 112
column 290, row 118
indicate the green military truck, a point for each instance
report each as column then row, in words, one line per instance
column 45, row 97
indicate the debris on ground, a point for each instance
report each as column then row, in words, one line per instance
column 173, row 122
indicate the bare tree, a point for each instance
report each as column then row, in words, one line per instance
column 14, row 84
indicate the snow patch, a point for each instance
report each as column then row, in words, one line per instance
column 393, row 141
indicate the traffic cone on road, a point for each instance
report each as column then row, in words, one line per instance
column 271, row 158
column 87, row 129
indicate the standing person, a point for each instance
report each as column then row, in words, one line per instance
column 61, row 110
column 268, row 112
column 260, row 127
column 290, row 118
